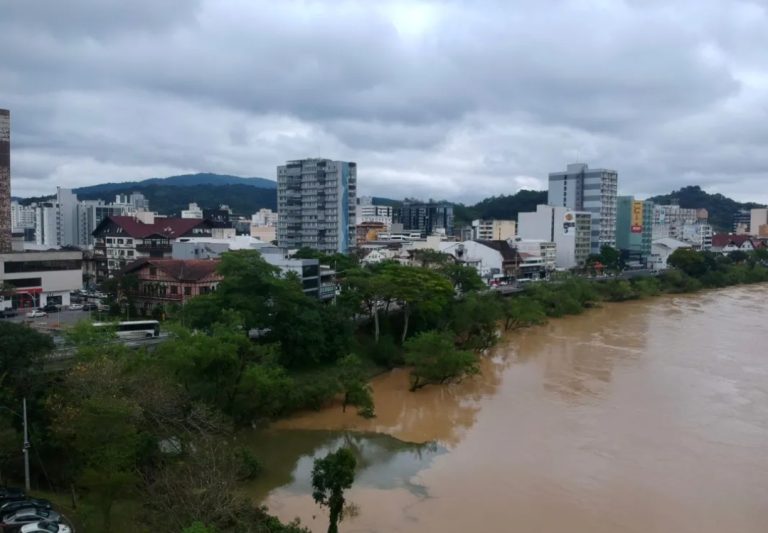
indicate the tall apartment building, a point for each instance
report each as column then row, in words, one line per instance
column 367, row 211
column 758, row 222
column 426, row 219
column 22, row 217
column 571, row 231
column 591, row 190
column 683, row 224
column 741, row 220
column 634, row 229
column 316, row 201
column 5, row 181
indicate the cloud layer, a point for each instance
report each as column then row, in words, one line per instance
column 445, row 99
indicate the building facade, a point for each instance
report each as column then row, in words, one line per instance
column 172, row 281
column 40, row 278
column 571, row 231
column 634, row 229
column 758, row 222
column 426, row 219
column 367, row 211
column 494, row 230
column 316, row 201
column 591, row 190
column 316, row 280
column 120, row 240
column 5, row 181
column 682, row 224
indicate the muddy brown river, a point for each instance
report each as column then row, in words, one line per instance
column 641, row 417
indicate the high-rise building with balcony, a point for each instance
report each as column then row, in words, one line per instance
column 428, row 219
column 5, row 180
column 316, row 204
column 592, row 190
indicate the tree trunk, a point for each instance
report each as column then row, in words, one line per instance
column 406, row 315
column 376, row 326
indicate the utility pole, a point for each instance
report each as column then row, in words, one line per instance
column 26, row 447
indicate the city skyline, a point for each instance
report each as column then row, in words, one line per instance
column 441, row 99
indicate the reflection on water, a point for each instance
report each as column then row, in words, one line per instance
column 639, row 417
column 383, row 462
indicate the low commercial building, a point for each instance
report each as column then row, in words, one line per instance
column 662, row 249
column 494, row 230
column 37, row 279
column 490, row 258
column 172, row 281
column 317, row 280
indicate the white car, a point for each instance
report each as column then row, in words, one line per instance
column 46, row 526
column 36, row 313
column 75, row 307
column 30, row 516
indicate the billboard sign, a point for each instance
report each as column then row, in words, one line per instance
column 636, row 225
column 569, row 223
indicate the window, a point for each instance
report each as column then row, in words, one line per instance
column 130, row 253
column 119, row 241
column 109, row 241
column 174, row 289
column 152, row 271
column 188, row 291
column 128, row 241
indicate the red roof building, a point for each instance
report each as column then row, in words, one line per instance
column 120, row 240
column 172, row 281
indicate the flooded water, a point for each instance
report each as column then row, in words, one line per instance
column 639, row 417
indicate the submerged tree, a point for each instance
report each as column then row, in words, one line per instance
column 331, row 476
column 357, row 391
column 435, row 359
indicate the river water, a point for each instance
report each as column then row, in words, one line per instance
column 647, row 416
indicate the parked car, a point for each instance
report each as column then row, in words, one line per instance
column 8, row 313
column 46, row 526
column 75, row 307
column 11, row 494
column 30, row 515
column 90, row 307
column 36, row 313
column 51, row 308
column 11, row 507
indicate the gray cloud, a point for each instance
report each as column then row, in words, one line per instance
column 452, row 99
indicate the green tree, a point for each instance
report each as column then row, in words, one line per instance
column 356, row 389
column 428, row 258
column 434, row 359
column 689, row 261
column 23, row 352
column 610, row 257
column 464, row 278
column 522, row 311
column 417, row 290
column 474, row 319
column 331, row 476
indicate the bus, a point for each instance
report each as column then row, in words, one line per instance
column 134, row 329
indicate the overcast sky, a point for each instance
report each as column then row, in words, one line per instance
column 444, row 99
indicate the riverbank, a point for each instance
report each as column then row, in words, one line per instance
column 608, row 421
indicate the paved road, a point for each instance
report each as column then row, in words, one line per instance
column 53, row 320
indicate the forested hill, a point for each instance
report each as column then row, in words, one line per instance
column 171, row 199
column 721, row 208
column 184, row 180
column 504, row 207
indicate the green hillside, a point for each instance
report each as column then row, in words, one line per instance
column 504, row 207
column 171, row 199
column 721, row 208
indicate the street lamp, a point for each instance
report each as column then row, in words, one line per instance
column 27, row 445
